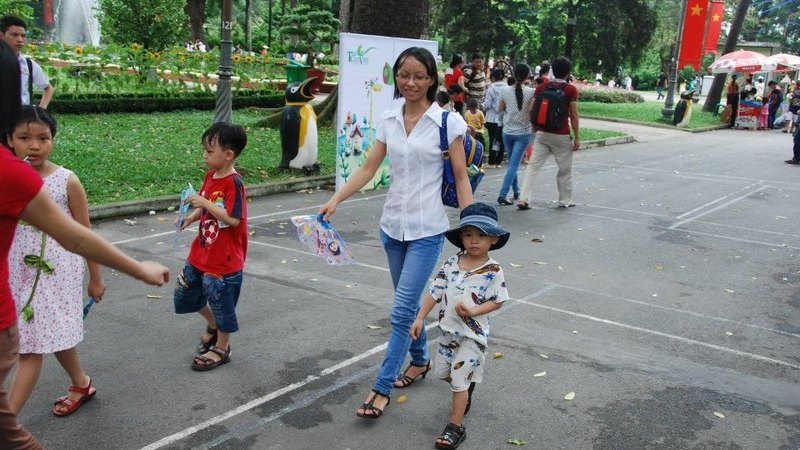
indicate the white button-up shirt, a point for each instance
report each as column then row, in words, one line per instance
column 40, row 80
column 413, row 208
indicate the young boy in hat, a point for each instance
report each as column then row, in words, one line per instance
column 467, row 288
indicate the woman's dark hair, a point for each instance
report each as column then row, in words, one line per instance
column 456, row 60
column 10, row 100
column 497, row 74
column 34, row 114
column 545, row 68
column 521, row 72
column 424, row 56
column 561, row 67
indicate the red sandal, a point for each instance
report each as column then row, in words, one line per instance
column 71, row 405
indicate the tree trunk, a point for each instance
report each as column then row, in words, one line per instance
column 715, row 93
column 345, row 15
column 196, row 10
column 248, row 29
column 408, row 18
column 570, row 33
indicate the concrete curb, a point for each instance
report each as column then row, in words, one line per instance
column 657, row 125
column 607, row 141
column 133, row 207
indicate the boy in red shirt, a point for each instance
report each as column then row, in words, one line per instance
column 212, row 277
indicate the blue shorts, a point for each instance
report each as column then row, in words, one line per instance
column 194, row 289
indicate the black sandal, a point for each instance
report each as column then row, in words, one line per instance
column 406, row 381
column 469, row 398
column 370, row 410
column 202, row 363
column 206, row 346
column 453, row 435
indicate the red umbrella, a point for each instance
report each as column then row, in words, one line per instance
column 742, row 61
column 786, row 60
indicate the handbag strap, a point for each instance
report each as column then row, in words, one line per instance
column 445, row 146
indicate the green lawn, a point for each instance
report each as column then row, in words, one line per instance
column 647, row 112
column 591, row 134
column 133, row 156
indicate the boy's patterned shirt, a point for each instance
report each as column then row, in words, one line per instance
column 453, row 285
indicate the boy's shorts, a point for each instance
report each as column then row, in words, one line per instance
column 460, row 359
column 194, row 289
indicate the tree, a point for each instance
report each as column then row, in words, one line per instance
column 715, row 93
column 310, row 25
column 155, row 24
column 196, row 10
column 410, row 18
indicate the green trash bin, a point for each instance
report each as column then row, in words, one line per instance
column 295, row 72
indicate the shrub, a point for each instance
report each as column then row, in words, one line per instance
column 607, row 95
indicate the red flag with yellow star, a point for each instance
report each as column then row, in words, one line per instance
column 716, row 13
column 692, row 39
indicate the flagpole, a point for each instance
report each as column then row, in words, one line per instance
column 669, row 103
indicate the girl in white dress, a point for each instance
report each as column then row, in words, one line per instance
column 51, row 316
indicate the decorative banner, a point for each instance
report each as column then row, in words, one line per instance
column 692, row 39
column 48, row 12
column 716, row 14
column 366, row 90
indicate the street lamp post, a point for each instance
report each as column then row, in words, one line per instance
column 222, row 112
column 669, row 102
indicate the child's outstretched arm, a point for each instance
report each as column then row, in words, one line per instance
column 79, row 207
column 427, row 305
column 43, row 213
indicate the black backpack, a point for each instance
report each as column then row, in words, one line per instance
column 550, row 107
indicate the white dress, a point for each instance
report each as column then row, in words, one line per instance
column 57, row 322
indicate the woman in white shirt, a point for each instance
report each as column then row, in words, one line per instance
column 517, row 131
column 494, row 118
column 413, row 222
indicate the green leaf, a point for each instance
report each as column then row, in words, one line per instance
column 517, row 441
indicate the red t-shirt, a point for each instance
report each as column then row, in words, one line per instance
column 451, row 77
column 572, row 95
column 218, row 248
column 19, row 184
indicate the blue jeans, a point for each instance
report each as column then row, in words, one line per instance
column 410, row 264
column 515, row 146
column 195, row 289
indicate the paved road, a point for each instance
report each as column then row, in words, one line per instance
column 667, row 301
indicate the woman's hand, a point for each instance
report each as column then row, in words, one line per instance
column 328, row 208
column 416, row 329
column 153, row 273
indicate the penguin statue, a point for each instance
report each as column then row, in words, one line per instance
column 683, row 110
column 299, row 129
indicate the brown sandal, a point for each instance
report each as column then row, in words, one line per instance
column 202, row 363
column 406, row 381
column 205, row 346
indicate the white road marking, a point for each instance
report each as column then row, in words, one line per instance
column 688, row 213
column 261, row 216
column 664, row 335
column 717, row 208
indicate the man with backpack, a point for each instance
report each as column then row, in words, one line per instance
column 14, row 31
column 553, row 112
